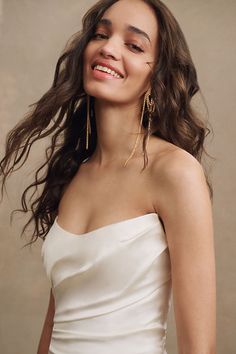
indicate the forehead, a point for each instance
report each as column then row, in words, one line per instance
column 135, row 13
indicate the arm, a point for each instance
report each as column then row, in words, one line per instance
column 47, row 327
column 185, row 208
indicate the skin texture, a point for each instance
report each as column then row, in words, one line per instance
column 173, row 185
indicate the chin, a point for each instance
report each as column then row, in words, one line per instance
column 104, row 95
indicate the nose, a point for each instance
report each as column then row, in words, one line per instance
column 110, row 50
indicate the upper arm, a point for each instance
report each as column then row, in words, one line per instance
column 51, row 308
column 185, row 207
column 46, row 334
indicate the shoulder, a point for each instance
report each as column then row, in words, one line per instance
column 176, row 176
column 170, row 162
column 177, row 166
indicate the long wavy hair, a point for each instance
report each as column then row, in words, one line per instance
column 61, row 115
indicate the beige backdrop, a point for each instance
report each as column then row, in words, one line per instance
column 33, row 33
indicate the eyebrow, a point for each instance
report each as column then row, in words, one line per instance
column 130, row 28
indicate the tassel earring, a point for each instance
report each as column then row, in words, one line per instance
column 151, row 107
column 88, row 124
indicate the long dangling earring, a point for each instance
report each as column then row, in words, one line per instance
column 150, row 105
column 88, row 124
column 150, row 108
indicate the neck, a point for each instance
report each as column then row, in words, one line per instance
column 117, row 130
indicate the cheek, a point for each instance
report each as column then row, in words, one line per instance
column 90, row 52
column 86, row 55
column 138, row 71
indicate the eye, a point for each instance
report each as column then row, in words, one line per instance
column 99, row 36
column 135, row 47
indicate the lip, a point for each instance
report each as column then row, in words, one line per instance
column 107, row 65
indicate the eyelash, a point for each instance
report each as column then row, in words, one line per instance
column 104, row 36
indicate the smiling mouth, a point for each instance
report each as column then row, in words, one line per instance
column 107, row 70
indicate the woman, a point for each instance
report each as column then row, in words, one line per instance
column 117, row 241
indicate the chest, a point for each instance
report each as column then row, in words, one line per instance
column 92, row 200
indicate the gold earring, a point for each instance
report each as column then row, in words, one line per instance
column 147, row 100
column 88, row 124
column 151, row 108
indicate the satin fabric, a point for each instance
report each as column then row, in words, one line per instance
column 112, row 287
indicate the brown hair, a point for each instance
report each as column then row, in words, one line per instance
column 61, row 114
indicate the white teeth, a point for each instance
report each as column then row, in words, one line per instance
column 107, row 70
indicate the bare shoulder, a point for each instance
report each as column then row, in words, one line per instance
column 171, row 163
column 175, row 173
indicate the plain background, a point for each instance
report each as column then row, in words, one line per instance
column 33, row 34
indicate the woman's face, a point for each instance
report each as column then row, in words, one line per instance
column 116, row 59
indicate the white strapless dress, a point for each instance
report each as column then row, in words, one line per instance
column 112, row 287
